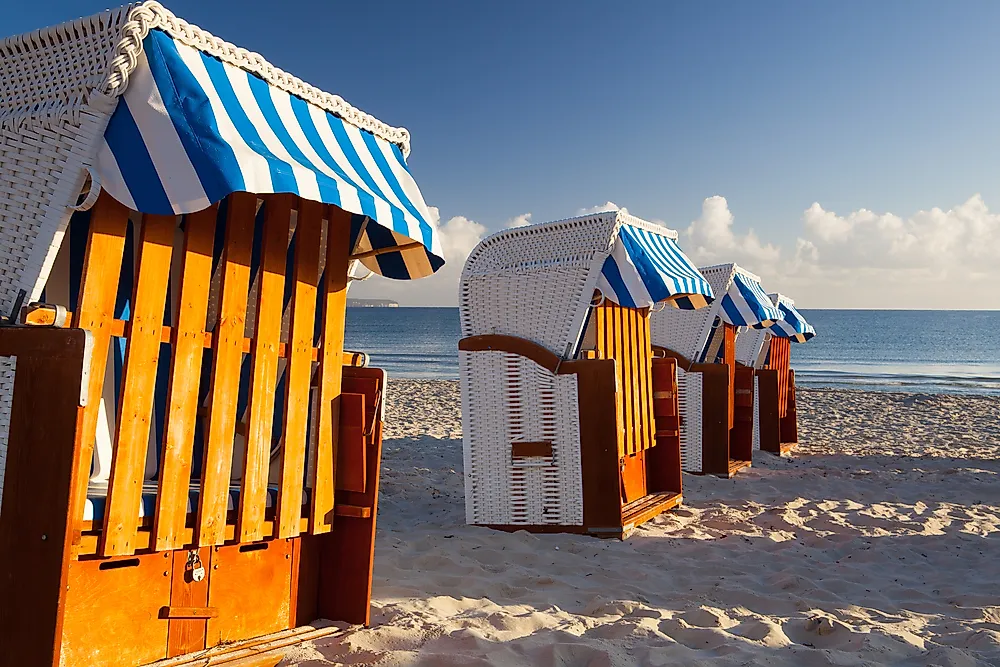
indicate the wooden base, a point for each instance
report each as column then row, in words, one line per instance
column 640, row 511
column 733, row 468
column 634, row 514
column 265, row 651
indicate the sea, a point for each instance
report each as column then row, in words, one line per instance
column 921, row 351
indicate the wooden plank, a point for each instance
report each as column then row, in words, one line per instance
column 186, row 630
column 228, row 354
column 348, row 552
column 331, row 371
column 135, row 405
column 789, row 422
column 351, row 459
column 264, row 367
column 308, row 237
column 599, row 451
column 36, row 531
column 252, row 588
column 189, row 612
column 715, row 417
column 185, row 373
column 98, row 289
column 126, row 595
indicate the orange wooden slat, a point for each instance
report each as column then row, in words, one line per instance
column 135, row 406
column 186, row 340
column 225, row 383
column 646, row 377
column 264, row 367
column 298, row 372
column 627, row 380
column 95, row 313
column 331, row 371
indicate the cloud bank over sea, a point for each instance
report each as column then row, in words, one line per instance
column 939, row 258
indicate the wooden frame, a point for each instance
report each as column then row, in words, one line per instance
column 726, row 409
column 777, row 412
column 628, row 412
column 122, row 590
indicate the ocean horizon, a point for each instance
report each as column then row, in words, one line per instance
column 920, row 351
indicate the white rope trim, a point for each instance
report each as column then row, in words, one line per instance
column 149, row 15
column 143, row 18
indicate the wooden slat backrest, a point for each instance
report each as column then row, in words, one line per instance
column 225, row 380
column 149, row 295
column 729, row 358
column 298, row 374
column 331, row 373
column 186, row 339
column 183, row 327
column 622, row 334
column 779, row 359
column 95, row 312
column 264, row 367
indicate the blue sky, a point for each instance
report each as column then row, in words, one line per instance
column 550, row 107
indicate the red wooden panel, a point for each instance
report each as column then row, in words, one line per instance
column 351, row 459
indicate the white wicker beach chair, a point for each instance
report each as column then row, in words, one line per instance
column 714, row 439
column 191, row 457
column 553, row 317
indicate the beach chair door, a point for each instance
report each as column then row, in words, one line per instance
column 622, row 334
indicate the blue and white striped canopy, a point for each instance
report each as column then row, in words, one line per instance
column 747, row 305
column 191, row 129
column 645, row 268
column 792, row 324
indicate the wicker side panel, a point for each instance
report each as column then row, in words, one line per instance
column 689, row 398
column 41, row 172
column 507, row 399
column 756, row 413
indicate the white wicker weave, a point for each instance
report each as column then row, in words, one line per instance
column 756, row 414
column 535, row 283
column 58, row 89
column 689, row 401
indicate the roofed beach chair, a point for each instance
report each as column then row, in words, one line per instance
column 192, row 459
column 569, row 422
column 775, row 416
column 716, row 396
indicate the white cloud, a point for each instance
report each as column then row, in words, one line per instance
column 601, row 208
column 862, row 259
column 711, row 239
column 459, row 236
column 522, row 220
column 932, row 259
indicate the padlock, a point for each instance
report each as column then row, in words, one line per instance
column 195, row 567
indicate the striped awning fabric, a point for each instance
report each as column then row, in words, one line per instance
column 646, row 268
column 191, row 129
column 792, row 324
column 747, row 305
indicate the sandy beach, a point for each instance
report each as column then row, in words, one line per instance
column 877, row 543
